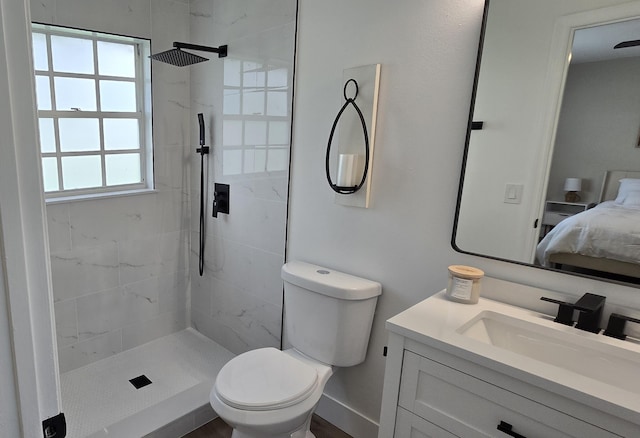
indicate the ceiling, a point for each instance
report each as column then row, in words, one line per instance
column 596, row 43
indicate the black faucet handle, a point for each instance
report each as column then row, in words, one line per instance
column 590, row 302
column 565, row 311
column 590, row 307
column 615, row 327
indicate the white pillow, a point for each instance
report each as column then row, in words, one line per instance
column 632, row 199
column 626, row 185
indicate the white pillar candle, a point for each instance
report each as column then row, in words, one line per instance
column 346, row 170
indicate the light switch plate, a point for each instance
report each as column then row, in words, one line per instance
column 513, row 193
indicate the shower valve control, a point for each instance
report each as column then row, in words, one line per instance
column 220, row 199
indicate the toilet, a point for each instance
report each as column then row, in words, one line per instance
column 271, row 393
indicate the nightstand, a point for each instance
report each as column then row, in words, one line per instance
column 557, row 211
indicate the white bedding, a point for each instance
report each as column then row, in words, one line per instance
column 608, row 230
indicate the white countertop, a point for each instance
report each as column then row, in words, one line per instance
column 434, row 322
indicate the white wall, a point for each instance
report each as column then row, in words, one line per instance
column 238, row 300
column 427, row 50
column 598, row 126
column 119, row 265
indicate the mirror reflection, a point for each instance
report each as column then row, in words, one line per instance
column 552, row 177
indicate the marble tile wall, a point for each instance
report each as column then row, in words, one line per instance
column 246, row 101
column 120, row 265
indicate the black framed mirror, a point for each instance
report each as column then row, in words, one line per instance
column 554, row 127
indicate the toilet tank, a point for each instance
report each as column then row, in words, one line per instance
column 328, row 314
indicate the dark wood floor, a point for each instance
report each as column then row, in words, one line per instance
column 219, row 429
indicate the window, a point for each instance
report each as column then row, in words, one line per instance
column 94, row 111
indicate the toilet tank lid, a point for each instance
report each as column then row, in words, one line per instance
column 329, row 282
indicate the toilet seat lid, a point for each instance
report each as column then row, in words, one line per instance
column 265, row 379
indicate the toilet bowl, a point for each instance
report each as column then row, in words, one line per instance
column 269, row 393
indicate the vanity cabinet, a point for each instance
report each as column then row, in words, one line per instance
column 433, row 390
column 465, row 406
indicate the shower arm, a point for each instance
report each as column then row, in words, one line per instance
column 221, row 51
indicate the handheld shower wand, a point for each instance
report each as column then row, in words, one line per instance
column 202, row 150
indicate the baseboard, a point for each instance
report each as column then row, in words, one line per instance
column 352, row 422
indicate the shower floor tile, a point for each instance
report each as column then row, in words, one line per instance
column 99, row 401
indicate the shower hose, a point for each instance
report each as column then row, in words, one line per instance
column 201, row 248
column 203, row 150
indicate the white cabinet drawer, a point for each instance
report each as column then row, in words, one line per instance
column 409, row 425
column 469, row 407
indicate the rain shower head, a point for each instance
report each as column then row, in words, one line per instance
column 180, row 58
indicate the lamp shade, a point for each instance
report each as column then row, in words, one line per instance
column 572, row 184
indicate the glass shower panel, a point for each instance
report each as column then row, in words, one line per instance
column 232, row 162
column 277, row 103
column 231, row 102
column 232, row 76
column 232, row 133
column 278, row 77
column 255, row 133
column 254, row 75
column 278, row 133
column 278, row 159
column 252, row 102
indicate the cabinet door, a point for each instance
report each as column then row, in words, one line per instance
column 409, row 425
column 469, row 407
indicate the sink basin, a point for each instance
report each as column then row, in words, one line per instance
column 583, row 353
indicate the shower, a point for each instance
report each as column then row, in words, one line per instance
column 127, row 294
column 180, row 58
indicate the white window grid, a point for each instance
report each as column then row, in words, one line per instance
column 263, row 115
column 142, row 113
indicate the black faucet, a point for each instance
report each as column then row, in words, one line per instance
column 565, row 311
column 615, row 328
column 590, row 307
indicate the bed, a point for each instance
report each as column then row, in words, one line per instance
column 605, row 238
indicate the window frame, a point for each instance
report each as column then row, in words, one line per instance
column 142, row 113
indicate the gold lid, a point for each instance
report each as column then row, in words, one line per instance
column 466, row 272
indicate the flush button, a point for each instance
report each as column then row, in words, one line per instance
column 323, row 271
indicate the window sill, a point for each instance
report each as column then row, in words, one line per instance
column 96, row 196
